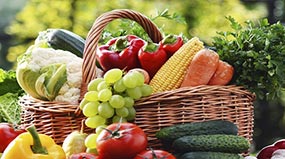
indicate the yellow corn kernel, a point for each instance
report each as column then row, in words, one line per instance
column 171, row 74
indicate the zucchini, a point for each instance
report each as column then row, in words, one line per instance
column 65, row 40
column 169, row 134
column 210, row 155
column 215, row 143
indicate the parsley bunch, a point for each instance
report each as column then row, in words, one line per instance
column 257, row 52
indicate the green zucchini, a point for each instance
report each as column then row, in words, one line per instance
column 215, row 143
column 169, row 134
column 210, row 155
column 65, row 40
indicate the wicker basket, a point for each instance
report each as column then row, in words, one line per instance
column 196, row 104
column 58, row 119
column 51, row 118
column 159, row 110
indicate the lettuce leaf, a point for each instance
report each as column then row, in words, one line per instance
column 10, row 91
column 8, row 82
column 10, row 110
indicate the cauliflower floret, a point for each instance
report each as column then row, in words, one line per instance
column 37, row 58
column 74, row 72
column 67, row 94
column 41, row 57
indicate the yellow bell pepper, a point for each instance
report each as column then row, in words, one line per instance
column 31, row 145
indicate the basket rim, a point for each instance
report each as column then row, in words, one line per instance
column 31, row 103
column 226, row 88
column 28, row 102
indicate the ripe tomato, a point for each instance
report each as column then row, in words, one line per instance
column 154, row 154
column 121, row 141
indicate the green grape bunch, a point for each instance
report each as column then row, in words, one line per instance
column 111, row 99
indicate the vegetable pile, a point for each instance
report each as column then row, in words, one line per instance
column 191, row 65
column 257, row 53
column 133, row 68
column 127, row 64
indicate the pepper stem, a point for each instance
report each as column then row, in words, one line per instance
column 37, row 146
column 151, row 47
column 121, row 44
column 169, row 39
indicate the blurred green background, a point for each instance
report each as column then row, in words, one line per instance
column 22, row 20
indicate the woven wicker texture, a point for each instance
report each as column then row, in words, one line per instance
column 51, row 118
column 159, row 110
column 196, row 104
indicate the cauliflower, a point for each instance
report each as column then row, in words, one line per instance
column 49, row 74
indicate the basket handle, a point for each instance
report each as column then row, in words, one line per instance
column 94, row 35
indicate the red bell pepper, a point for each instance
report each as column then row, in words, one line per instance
column 171, row 43
column 120, row 52
column 7, row 134
column 152, row 56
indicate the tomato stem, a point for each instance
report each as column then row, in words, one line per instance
column 153, row 153
column 114, row 133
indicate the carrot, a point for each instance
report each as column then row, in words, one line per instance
column 223, row 74
column 201, row 68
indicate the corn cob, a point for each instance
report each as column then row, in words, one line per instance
column 171, row 74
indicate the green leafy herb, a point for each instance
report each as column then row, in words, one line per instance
column 165, row 14
column 257, row 52
column 131, row 27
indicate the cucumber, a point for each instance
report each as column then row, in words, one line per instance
column 210, row 155
column 215, row 143
column 65, row 40
column 169, row 134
